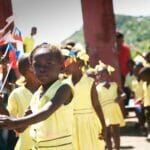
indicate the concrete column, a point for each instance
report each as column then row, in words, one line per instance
column 99, row 33
column 5, row 11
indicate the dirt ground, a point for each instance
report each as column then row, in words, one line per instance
column 131, row 136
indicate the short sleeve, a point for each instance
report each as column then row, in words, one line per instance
column 12, row 105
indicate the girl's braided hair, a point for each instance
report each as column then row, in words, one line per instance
column 54, row 49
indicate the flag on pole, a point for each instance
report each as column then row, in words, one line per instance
column 13, row 56
column 16, row 34
column 17, row 38
column 11, row 47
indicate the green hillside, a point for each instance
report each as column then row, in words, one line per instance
column 136, row 30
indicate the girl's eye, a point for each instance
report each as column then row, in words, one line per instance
column 52, row 63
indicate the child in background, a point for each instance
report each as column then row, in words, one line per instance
column 145, row 77
column 137, row 90
column 29, row 42
column 52, row 129
column 136, row 84
column 86, row 124
column 128, row 80
column 19, row 100
column 108, row 94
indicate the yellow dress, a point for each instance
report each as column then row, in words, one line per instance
column 111, row 109
column 18, row 102
column 146, row 94
column 86, row 124
column 128, row 80
column 137, row 88
column 54, row 133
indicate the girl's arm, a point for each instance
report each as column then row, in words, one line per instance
column 97, row 105
column 121, row 94
column 63, row 94
column 3, row 110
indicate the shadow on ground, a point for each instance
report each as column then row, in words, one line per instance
column 132, row 129
column 127, row 147
column 132, row 136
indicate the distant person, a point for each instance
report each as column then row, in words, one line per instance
column 137, row 94
column 124, row 55
column 128, row 80
column 29, row 41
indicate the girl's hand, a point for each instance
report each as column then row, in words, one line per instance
column 7, row 122
column 28, row 112
column 103, row 135
column 20, row 130
column 1, row 97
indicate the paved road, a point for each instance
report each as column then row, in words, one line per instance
column 132, row 138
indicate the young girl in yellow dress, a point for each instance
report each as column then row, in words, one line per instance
column 108, row 94
column 52, row 129
column 86, row 124
column 145, row 77
column 137, row 90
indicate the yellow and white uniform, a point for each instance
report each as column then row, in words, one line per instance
column 86, row 124
column 54, row 133
column 111, row 109
column 18, row 102
column 137, row 88
column 128, row 80
column 29, row 43
column 146, row 94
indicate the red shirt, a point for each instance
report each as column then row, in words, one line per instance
column 124, row 56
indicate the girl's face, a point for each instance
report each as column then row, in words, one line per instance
column 46, row 66
column 130, row 66
column 102, row 75
column 137, row 70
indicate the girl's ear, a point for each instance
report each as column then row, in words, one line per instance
column 29, row 71
column 62, row 68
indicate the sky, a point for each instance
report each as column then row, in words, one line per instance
column 58, row 19
column 132, row 7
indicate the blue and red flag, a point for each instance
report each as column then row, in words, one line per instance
column 17, row 35
column 2, row 42
column 13, row 56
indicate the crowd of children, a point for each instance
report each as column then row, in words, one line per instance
column 64, row 104
column 136, row 88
